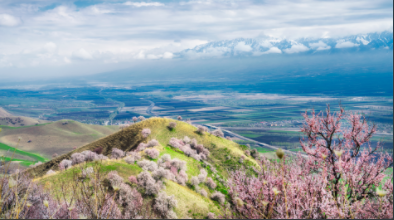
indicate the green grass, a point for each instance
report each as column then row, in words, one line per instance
column 65, row 177
column 193, row 166
column 263, row 150
column 250, row 135
column 22, row 162
column 190, row 202
column 36, row 157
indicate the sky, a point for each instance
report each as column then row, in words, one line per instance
column 46, row 38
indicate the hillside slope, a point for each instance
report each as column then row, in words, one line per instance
column 129, row 138
column 56, row 137
column 224, row 156
column 7, row 119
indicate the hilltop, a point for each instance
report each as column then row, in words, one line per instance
column 129, row 138
column 224, row 156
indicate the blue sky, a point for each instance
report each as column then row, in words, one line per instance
column 42, row 37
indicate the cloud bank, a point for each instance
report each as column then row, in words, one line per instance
column 50, row 33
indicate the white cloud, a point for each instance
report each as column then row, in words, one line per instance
column 271, row 50
column 82, row 54
column 109, row 31
column 266, row 44
column 143, row 4
column 345, row 44
column 66, row 60
column 319, row 46
column 50, row 47
column 8, row 20
column 168, row 55
column 241, row 46
column 296, row 48
column 362, row 40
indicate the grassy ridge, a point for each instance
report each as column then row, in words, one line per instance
column 28, row 126
column 224, row 156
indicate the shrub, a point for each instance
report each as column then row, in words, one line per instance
column 89, row 155
column 153, row 143
column 201, row 129
column 152, row 153
column 203, row 174
column 247, row 153
column 203, row 192
column 205, row 152
column 129, row 159
column 179, row 118
column 254, row 153
column 135, row 119
column 183, row 174
column 147, row 165
column 130, row 199
column 211, row 215
column 219, row 197
column 179, row 164
column 193, row 143
column 188, row 150
column 218, row 133
column 199, row 148
column 141, row 118
column 174, row 142
column 114, row 179
column 98, row 150
column 164, row 158
column 172, row 125
column 145, row 132
column 65, row 164
column 210, row 183
column 164, row 205
column 194, row 181
column 146, row 181
column 195, row 156
column 174, row 170
column 161, row 173
column 117, row 153
column 133, row 180
column 102, row 157
column 186, row 140
column 141, row 147
column 337, row 179
column 135, row 155
column 77, row 158
column 180, row 180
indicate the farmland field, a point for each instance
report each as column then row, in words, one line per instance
column 269, row 118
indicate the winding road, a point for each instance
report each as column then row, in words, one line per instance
column 232, row 134
column 149, row 109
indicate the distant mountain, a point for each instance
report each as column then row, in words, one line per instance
column 267, row 45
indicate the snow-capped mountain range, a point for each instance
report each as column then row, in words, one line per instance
column 268, row 45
